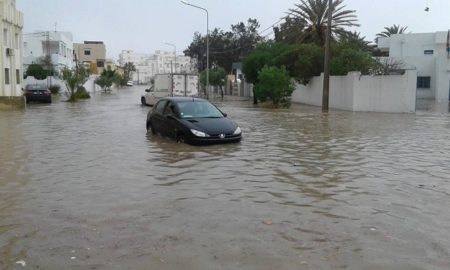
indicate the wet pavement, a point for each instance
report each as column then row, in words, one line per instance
column 82, row 186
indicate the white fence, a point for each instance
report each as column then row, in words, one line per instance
column 390, row 93
column 89, row 84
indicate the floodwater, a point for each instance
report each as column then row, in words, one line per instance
column 82, row 186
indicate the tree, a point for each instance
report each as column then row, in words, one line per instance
column 252, row 64
column 107, row 78
column 47, row 64
column 216, row 78
column 37, row 71
column 392, row 30
column 74, row 80
column 349, row 59
column 128, row 70
column 355, row 41
column 274, row 84
column 302, row 61
column 225, row 47
column 311, row 17
column 387, row 66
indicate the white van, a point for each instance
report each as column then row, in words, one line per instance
column 151, row 96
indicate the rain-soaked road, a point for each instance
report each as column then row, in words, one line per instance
column 83, row 187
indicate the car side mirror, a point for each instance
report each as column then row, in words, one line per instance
column 224, row 114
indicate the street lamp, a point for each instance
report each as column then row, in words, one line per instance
column 175, row 50
column 207, row 41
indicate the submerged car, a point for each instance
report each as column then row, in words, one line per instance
column 38, row 93
column 192, row 120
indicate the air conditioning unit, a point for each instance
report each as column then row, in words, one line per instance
column 9, row 51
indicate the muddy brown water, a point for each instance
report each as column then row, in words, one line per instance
column 82, row 186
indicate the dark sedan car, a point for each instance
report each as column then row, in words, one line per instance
column 192, row 120
column 37, row 92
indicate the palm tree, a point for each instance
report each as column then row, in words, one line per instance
column 313, row 15
column 356, row 41
column 392, row 30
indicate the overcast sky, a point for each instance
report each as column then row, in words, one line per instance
column 145, row 25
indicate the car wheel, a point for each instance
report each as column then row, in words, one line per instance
column 181, row 138
column 150, row 128
column 143, row 101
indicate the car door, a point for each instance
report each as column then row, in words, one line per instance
column 157, row 118
column 170, row 120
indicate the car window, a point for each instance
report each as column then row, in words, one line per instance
column 159, row 107
column 198, row 109
column 170, row 109
column 35, row 87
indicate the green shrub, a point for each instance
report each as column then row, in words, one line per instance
column 274, row 84
column 81, row 93
column 54, row 89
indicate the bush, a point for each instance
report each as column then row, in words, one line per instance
column 81, row 93
column 274, row 84
column 54, row 89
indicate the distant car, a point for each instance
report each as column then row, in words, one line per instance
column 38, row 93
column 192, row 120
column 130, row 83
column 150, row 97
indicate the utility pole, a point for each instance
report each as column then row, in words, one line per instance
column 326, row 72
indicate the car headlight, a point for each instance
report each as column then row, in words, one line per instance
column 199, row 133
column 237, row 131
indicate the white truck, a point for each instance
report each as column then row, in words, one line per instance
column 170, row 85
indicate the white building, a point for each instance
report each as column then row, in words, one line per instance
column 11, row 24
column 56, row 45
column 147, row 65
column 429, row 54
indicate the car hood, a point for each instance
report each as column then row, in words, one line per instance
column 211, row 126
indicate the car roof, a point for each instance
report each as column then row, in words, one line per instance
column 184, row 99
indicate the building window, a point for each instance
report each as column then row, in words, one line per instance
column 6, row 75
column 17, row 76
column 428, row 52
column 17, row 41
column 5, row 37
column 100, row 64
column 87, row 52
column 423, row 82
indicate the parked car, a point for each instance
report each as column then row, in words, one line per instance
column 38, row 93
column 192, row 120
column 130, row 83
column 149, row 97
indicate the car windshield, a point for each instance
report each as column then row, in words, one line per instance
column 198, row 109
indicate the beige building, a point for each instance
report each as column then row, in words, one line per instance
column 92, row 54
column 11, row 24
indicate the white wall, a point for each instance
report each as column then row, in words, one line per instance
column 49, row 81
column 89, row 84
column 393, row 93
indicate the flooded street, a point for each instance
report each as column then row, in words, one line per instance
column 82, row 186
